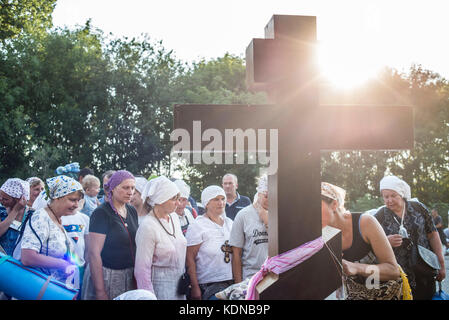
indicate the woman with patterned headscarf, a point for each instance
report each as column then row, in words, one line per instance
column 363, row 240
column 406, row 222
column 45, row 244
column 14, row 194
column 112, row 246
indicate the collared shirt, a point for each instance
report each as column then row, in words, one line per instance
column 238, row 204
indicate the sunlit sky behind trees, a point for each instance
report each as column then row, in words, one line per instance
column 356, row 38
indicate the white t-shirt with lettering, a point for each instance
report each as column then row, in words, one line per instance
column 210, row 263
column 250, row 234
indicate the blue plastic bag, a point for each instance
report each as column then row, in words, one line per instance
column 440, row 294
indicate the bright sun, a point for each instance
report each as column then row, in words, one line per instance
column 347, row 64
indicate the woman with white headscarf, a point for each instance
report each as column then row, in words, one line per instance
column 184, row 214
column 406, row 222
column 208, row 251
column 161, row 246
column 137, row 201
column 14, row 194
column 45, row 243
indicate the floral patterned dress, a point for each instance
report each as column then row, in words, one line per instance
column 418, row 222
column 47, row 239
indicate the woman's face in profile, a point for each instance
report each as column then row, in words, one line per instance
column 6, row 200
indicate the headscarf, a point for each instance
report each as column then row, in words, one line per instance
column 335, row 193
column 16, row 188
column 140, row 184
column 34, row 180
column 61, row 186
column 41, row 201
column 396, row 184
column 159, row 190
column 262, row 184
column 117, row 178
column 210, row 193
column 184, row 189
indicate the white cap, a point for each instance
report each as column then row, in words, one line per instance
column 396, row 184
column 140, row 184
column 159, row 190
column 210, row 193
column 184, row 189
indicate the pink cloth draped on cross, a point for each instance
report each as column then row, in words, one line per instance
column 282, row 263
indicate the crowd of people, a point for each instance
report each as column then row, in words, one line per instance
column 147, row 238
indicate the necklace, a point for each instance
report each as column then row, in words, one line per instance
column 54, row 215
column 172, row 225
column 402, row 230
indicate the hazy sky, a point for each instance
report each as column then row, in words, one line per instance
column 356, row 37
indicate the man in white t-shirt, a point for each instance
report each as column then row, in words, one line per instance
column 249, row 235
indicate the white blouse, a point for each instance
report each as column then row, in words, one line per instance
column 157, row 250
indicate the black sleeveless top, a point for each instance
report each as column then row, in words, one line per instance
column 359, row 248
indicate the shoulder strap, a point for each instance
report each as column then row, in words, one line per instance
column 22, row 229
column 380, row 215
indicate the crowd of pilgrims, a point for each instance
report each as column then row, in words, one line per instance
column 135, row 238
column 147, row 238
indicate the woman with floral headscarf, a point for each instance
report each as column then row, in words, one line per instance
column 361, row 235
column 112, row 246
column 406, row 222
column 14, row 195
column 45, row 243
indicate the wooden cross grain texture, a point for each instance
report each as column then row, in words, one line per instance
column 283, row 65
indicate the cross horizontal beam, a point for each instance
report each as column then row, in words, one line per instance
column 326, row 127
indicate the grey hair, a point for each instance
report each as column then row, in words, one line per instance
column 231, row 175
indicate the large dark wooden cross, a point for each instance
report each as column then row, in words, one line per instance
column 283, row 65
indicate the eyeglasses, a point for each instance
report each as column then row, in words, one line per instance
column 226, row 248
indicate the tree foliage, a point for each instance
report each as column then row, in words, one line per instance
column 425, row 167
column 105, row 102
column 17, row 16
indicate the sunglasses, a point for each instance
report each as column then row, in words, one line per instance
column 226, row 248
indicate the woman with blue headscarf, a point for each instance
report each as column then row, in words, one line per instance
column 45, row 244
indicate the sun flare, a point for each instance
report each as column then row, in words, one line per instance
column 347, row 65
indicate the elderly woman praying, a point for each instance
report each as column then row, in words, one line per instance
column 14, row 194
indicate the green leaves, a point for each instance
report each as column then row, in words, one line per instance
column 425, row 167
column 31, row 16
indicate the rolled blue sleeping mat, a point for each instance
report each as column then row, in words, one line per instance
column 25, row 283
